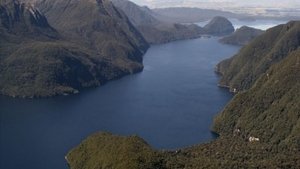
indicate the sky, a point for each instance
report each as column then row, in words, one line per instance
column 221, row 3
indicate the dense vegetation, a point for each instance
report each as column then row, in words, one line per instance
column 76, row 45
column 259, row 128
column 242, row 36
column 241, row 71
column 106, row 151
column 270, row 110
column 103, row 150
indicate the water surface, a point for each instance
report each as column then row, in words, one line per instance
column 170, row 104
column 262, row 24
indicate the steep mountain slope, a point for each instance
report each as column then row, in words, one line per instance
column 219, row 26
column 37, row 60
column 270, row 110
column 241, row 71
column 96, row 24
column 242, row 36
column 153, row 29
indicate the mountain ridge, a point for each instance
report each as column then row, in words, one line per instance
column 40, row 60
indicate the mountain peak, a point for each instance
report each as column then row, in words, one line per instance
column 219, row 26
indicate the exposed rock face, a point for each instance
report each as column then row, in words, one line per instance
column 242, row 36
column 21, row 19
column 219, row 26
column 90, row 43
column 153, row 29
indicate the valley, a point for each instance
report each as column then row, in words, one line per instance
column 220, row 93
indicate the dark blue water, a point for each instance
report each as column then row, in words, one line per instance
column 170, row 104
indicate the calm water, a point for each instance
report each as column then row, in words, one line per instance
column 262, row 24
column 170, row 104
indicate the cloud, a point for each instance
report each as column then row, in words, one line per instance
column 221, row 3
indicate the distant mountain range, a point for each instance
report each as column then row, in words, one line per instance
column 153, row 28
column 192, row 15
column 277, row 8
column 156, row 28
column 220, row 3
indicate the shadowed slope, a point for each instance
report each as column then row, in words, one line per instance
column 38, row 60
